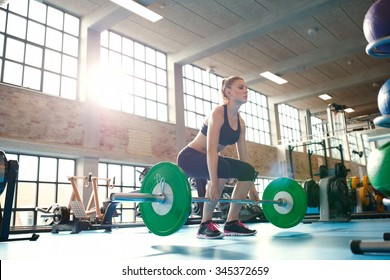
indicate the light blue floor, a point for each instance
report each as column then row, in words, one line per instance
column 311, row 241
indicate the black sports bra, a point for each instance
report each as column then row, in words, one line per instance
column 227, row 136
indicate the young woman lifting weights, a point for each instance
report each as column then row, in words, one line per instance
column 201, row 159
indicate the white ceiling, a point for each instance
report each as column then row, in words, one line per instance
column 246, row 37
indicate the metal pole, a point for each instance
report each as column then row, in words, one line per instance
column 290, row 150
column 310, row 153
column 280, row 201
column 147, row 197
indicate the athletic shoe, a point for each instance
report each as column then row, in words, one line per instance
column 237, row 228
column 209, row 230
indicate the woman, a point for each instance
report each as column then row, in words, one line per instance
column 201, row 159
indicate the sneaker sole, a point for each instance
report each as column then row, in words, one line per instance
column 201, row 236
column 228, row 233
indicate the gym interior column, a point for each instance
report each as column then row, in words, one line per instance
column 90, row 53
column 90, row 90
column 176, row 102
column 281, row 148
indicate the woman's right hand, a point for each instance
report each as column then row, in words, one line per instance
column 214, row 193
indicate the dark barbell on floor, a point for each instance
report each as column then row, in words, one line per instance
column 361, row 247
column 165, row 200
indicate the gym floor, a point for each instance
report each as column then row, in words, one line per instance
column 308, row 241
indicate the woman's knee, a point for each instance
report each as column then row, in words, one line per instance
column 247, row 173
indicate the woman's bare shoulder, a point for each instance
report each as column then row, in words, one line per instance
column 215, row 114
column 218, row 110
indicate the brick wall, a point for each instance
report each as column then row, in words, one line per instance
column 74, row 127
column 42, row 123
column 36, row 117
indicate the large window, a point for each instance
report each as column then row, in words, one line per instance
column 289, row 124
column 336, row 147
column 202, row 93
column 132, row 77
column 126, row 180
column 256, row 116
column 42, row 182
column 353, row 148
column 39, row 48
column 261, row 183
column 366, row 146
column 317, row 135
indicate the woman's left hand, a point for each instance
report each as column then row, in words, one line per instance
column 253, row 195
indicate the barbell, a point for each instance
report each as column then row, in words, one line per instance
column 165, row 200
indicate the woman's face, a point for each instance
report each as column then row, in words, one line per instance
column 238, row 91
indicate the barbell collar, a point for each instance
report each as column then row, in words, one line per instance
column 137, row 197
column 49, row 215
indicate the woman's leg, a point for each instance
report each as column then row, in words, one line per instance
column 245, row 175
column 208, row 208
column 240, row 192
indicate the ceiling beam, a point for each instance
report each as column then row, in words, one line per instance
column 354, row 103
column 249, row 30
column 378, row 73
column 108, row 15
column 317, row 57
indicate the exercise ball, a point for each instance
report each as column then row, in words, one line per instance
column 376, row 24
column 384, row 98
column 378, row 166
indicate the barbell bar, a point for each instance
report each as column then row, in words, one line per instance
column 146, row 197
column 165, row 200
column 280, row 201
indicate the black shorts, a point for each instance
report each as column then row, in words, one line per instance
column 194, row 164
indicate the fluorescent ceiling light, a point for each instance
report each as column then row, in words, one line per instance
column 325, row 96
column 272, row 77
column 349, row 110
column 138, row 9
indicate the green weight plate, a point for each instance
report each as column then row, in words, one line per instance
column 165, row 218
column 294, row 211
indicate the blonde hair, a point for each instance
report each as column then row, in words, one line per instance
column 227, row 83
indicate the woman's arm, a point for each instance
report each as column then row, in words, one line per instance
column 242, row 153
column 215, row 123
